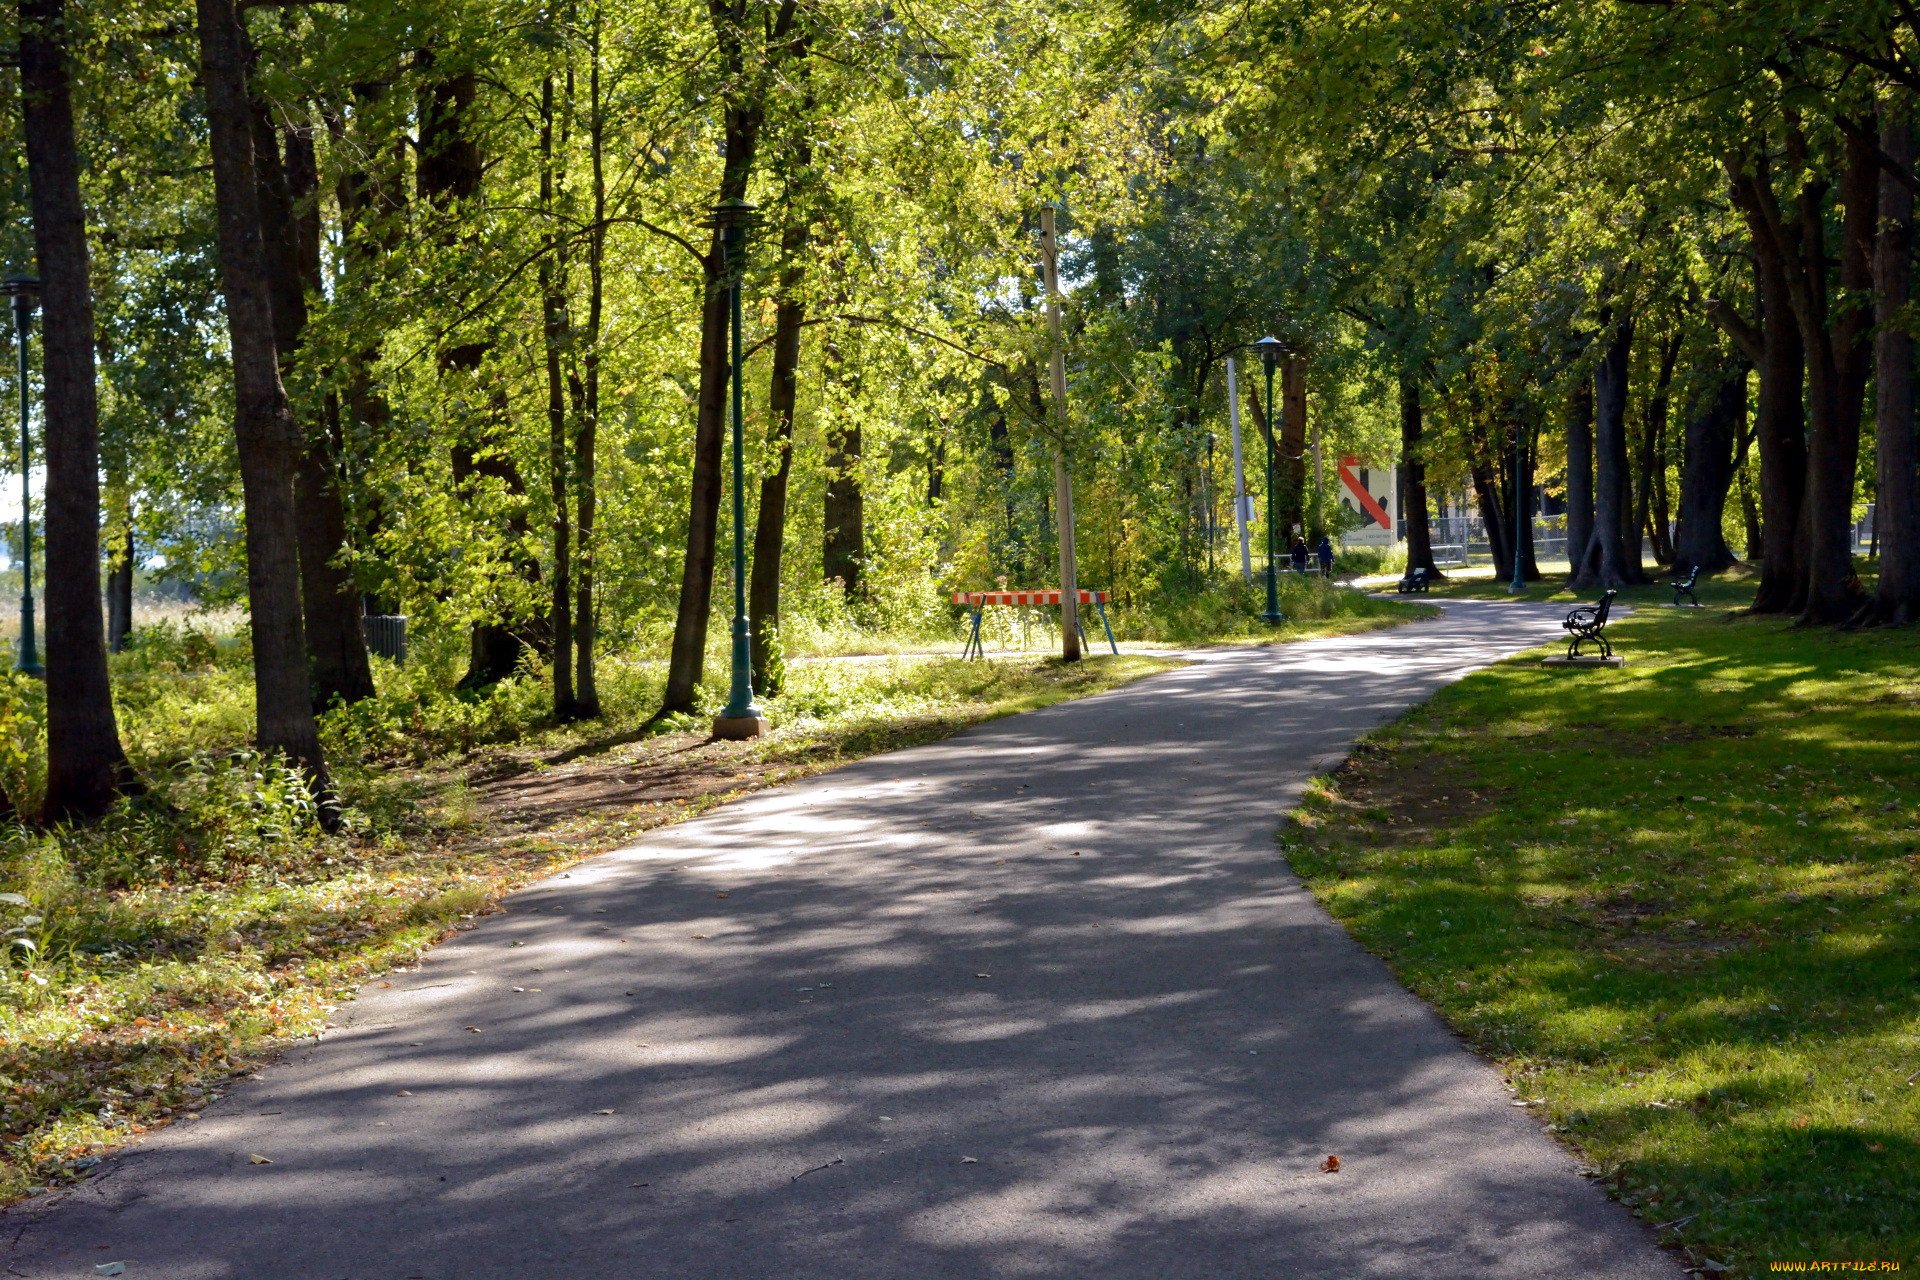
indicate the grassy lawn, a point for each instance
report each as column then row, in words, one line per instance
column 1676, row 903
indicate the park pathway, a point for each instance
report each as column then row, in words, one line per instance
column 1041, row 1000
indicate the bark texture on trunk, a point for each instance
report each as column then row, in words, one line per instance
column 844, row 518
column 1579, row 433
column 553, row 330
column 1897, row 509
column 1839, row 357
column 770, row 524
column 1772, row 343
column 745, row 114
column 86, row 767
column 1413, row 489
column 290, row 230
column 1293, row 444
column 1605, row 563
column 120, row 591
column 1706, row 475
column 264, row 429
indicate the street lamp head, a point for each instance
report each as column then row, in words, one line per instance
column 1270, row 349
column 733, row 218
column 23, row 290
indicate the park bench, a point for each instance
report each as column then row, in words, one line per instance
column 1415, row 583
column 1684, row 587
column 1588, row 624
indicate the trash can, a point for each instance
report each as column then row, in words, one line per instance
column 387, row 635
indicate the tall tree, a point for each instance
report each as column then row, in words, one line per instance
column 86, row 767
column 747, row 76
column 1606, row 561
column 1413, row 473
column 264, row 429
column 1897, row 510
column 289, row 192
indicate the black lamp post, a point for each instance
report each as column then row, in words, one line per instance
column 23, row 289
column 742, row 717
column 1271, row 349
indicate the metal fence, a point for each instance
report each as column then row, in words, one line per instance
column 1462, row 540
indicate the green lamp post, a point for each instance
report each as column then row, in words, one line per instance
column 743, row 716
column 1271, row 349
column 22, row 289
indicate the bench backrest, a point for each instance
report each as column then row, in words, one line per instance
column 1605, row 607
column 1693, row 575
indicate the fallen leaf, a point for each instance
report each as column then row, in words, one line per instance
column 475, row 1029
column 1800, row 1122
column 111, row 1269
column 983, row 975
column 1330, row 1165
column 404, row 1093
column 968, row 1160
column 604, row 1111
column 723, row 894
column 699, row 937
column 257, row 1158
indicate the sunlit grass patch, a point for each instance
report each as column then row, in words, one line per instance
column 1676, row 902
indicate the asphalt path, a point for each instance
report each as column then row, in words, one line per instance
column 1039, row 1000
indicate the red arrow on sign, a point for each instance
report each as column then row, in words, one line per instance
column 1358, row 490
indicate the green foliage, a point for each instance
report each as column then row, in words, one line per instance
column 23, row 741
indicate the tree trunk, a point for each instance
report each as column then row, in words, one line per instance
column 86, row 767
column 746, row 106
column 770, row 526
column 1579, row 432
column 1413, row 471
column 1750, row 514
column 120, row 589
column 264, row 430
column 1650, row 495
column 1605, row 564
column 553, row 316
column 1896, row 516
column 1293, row 443
column 1707, row 472
column 1838, row 343
column 843, row 545
column 586, row 444
column 290, row 230
column 1493, row 514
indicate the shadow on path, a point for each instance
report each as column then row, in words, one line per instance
column 1037, row 1000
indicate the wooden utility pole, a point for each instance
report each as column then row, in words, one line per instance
column 1062, row 481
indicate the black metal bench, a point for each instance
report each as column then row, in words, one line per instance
column 1415, row 583
column 1684, row 587
column 1588, row 625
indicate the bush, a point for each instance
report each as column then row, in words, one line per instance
column 23, row 741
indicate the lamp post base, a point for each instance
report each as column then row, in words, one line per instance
column 739, row 728
column 1273, row 617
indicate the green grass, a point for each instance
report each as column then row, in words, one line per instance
column 1676, row 902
